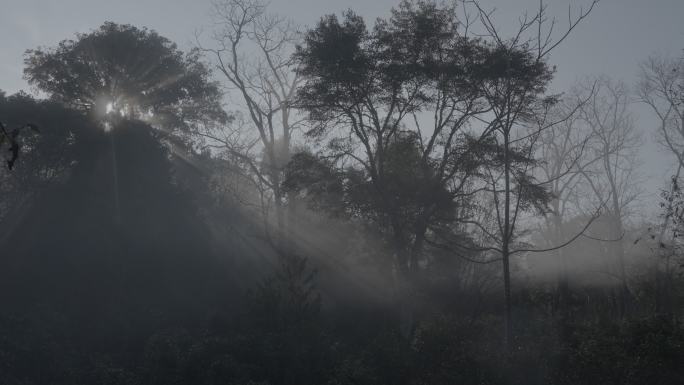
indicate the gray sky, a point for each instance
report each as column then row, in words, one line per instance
column 612, row 41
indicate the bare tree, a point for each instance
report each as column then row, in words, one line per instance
column 562, row 151
column 613, row 177
column 661, row 87
column 253, row 49
column 520, row 113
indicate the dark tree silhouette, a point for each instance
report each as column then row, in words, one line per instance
column 367, row 88
column 44, row 157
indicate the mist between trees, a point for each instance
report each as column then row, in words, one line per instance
column 395, row 202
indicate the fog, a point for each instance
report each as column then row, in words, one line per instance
column 238, row 192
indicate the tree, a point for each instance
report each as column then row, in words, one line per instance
column 668, row 248
column 119, row 69
column 612, row 178
column 395, row 104
column 661, row 87
column 515, row 78
column 569, row 154
column 253, row 53
column 562, row 151
column 373, row 83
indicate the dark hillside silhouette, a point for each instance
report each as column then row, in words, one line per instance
column 118, row 249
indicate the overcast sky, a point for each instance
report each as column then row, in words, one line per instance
column 617, row 36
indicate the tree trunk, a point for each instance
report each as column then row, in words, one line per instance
column 508, row 311
column 403, row 284
column 505, row 251
column 563, row 288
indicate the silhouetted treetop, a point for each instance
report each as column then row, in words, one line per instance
column 404, row 62
column 121, row 69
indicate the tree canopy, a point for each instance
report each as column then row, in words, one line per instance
column 367, row 87
column 129, row 71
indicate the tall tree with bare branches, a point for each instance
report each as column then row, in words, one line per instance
column 562, row 150
column 661, row 87
column 252, row 49
column 612, row 178
column 516, row 75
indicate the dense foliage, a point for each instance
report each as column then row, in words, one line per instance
column 135, row 72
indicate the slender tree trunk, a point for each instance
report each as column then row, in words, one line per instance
column 418, row 244
column 563, row 310
column 625, row 300
column 403, row 283
column 282, row 239
column 505, row 251
column 508, row 316
column 558, row 237
column 619, row 253
column 616, row 232
column 274, row 168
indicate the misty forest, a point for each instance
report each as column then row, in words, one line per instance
column 394, row 200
